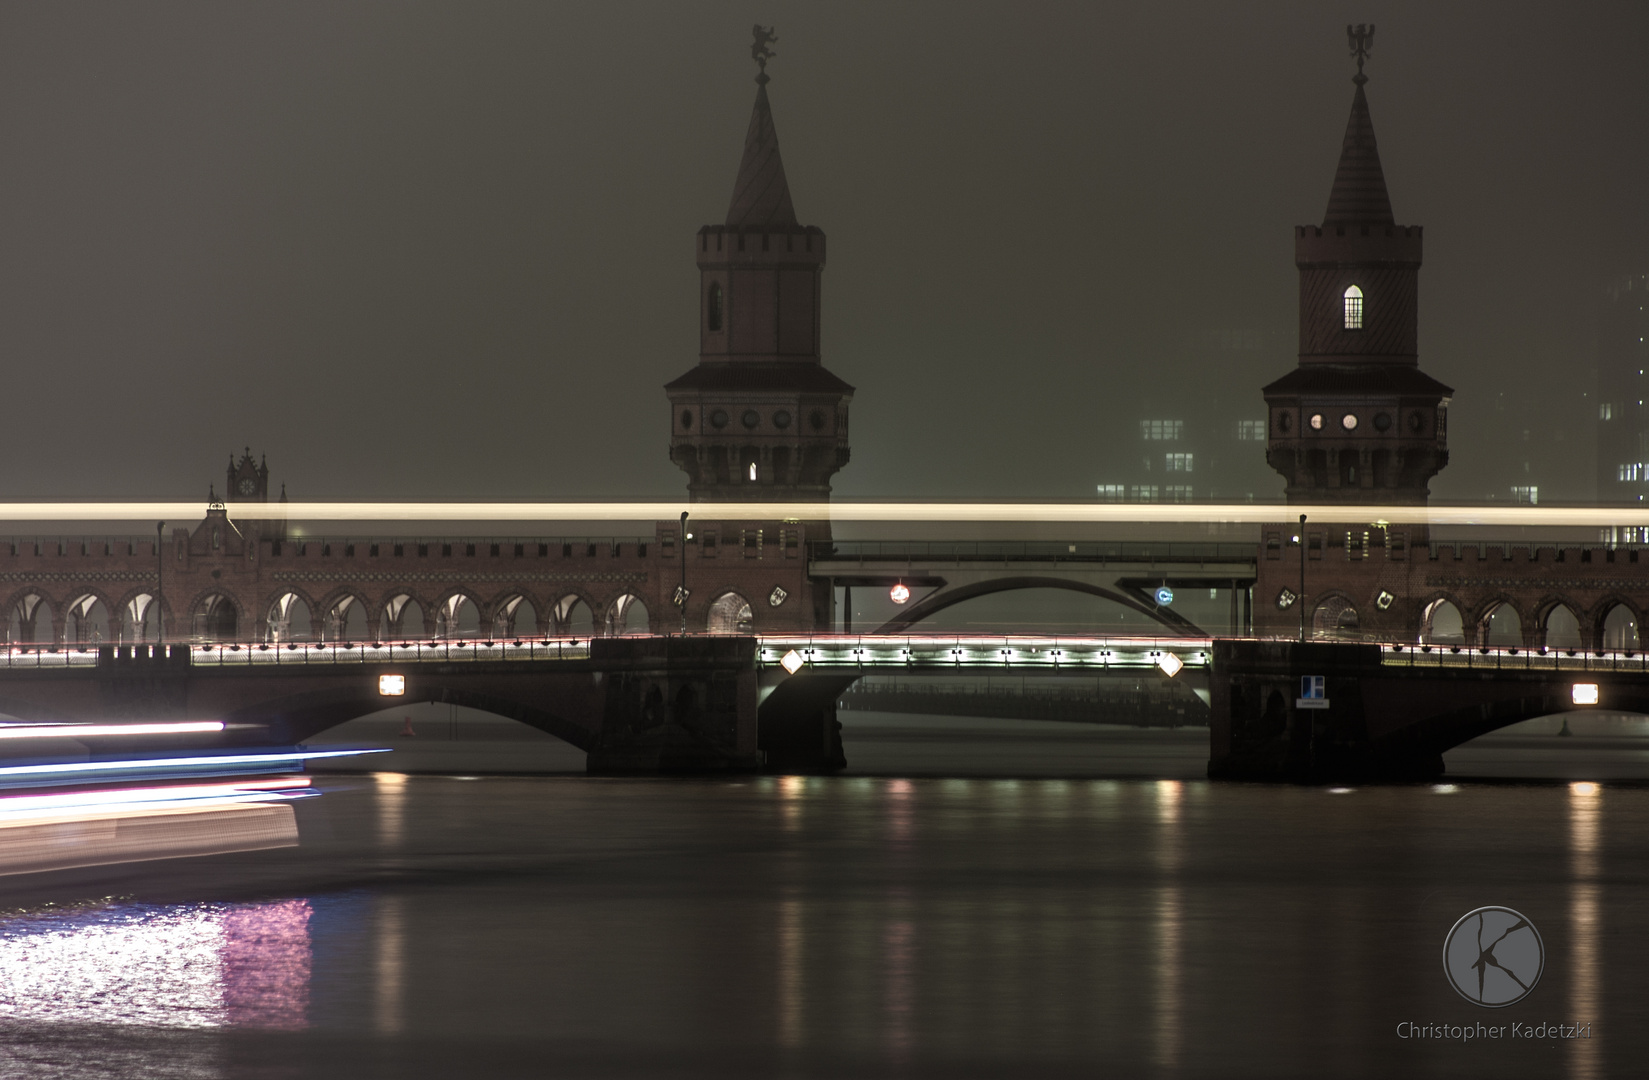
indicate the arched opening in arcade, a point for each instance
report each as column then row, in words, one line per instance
column 1501, row 627
column 1441, row 624
column 346, row 621
column 30, row 620
column 288, row 620
column 627, row 615
column 86, row 622
column 140, row 618
column 730, row 614
column 572, row 617
column 402, row 620
column 215, row 619
column 457, row 618
column 515, row 618
column 1335, row 617
column 1620, row 629
column 1562, row 628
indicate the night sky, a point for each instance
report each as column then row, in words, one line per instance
column 445, row 250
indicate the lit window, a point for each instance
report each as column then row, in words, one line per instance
column 1176, row 493
column 1176, row 462
column 1606, row 411
column 1349, row 421
column 1317, row 421
column 752, row 470
column 1354, row 308
column 1528, row 495
column 1251, row 430
column 1161, row 430
column 1142, row 493
column 1629, row 471
column 1112, row 493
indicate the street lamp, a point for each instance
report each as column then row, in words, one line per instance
column 1302, row 579
column 681, row 591
column 160, row 567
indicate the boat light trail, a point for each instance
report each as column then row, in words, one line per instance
column 71, row 768
column 81, row 731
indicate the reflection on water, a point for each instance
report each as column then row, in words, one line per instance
column 1169, row 923
column 183, row 965
column 1585, row 823
column 825, row 927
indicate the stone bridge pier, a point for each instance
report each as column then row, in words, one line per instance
column 1388, row 713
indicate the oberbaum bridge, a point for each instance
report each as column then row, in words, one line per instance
column 1361, row 647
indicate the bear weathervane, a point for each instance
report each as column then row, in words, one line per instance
column 759, row 52
column 1361, row 40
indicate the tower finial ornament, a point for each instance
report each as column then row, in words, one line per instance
column 759, row 52
column 1361, row 40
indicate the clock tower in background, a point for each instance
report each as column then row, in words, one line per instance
column 248, row 479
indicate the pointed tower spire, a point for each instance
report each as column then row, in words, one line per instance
column 1359, row 195
column 761, row 195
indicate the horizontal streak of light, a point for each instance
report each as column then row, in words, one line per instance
column 1074, row 513
column 169, row 793
column 131, row 808
column 80, row 731
column 70, row 767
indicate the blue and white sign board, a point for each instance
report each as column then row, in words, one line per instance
column 1313, row 693
column 1165, row 595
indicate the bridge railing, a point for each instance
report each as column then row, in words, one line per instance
column 1128, row 551
column 839, row 651
column 244, row 654
column 1512, row 658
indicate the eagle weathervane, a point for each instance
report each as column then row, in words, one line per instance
column 1361, row 40
column 759, row 52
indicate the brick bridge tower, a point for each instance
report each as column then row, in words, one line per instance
column 759, row 419
column 1358, row 421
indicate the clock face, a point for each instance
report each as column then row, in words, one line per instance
column 248, row 486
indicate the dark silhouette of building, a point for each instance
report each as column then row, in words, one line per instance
column 759, row 419
column 1623, row 419
column 1358, row 421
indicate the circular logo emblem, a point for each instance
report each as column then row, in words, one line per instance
column 1165, row 596
column 1493, row 956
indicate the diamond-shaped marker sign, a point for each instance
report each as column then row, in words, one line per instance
column 792, row 661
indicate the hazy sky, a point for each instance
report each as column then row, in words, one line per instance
column 445, row 250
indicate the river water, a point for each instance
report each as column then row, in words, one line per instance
column 995, row 920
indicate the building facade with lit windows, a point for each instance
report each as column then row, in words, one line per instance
column 1622, row 389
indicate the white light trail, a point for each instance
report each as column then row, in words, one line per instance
column 69, row 768
column 1074, row 513
column 81, row 731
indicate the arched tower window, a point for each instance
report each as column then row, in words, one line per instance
column 1354, row 308
column 712, row 313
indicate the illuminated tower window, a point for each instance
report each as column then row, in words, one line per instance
column 752, row 470
column 1354, row 308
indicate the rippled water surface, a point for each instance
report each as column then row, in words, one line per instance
column 849, row 926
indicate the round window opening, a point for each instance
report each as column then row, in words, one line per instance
column 687, row 418
column 781, row 419
column 817, row 419
column 718, row 419
column 750, row 418
column 1316, row 421
column 1349, row 421
column 1382, row 421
